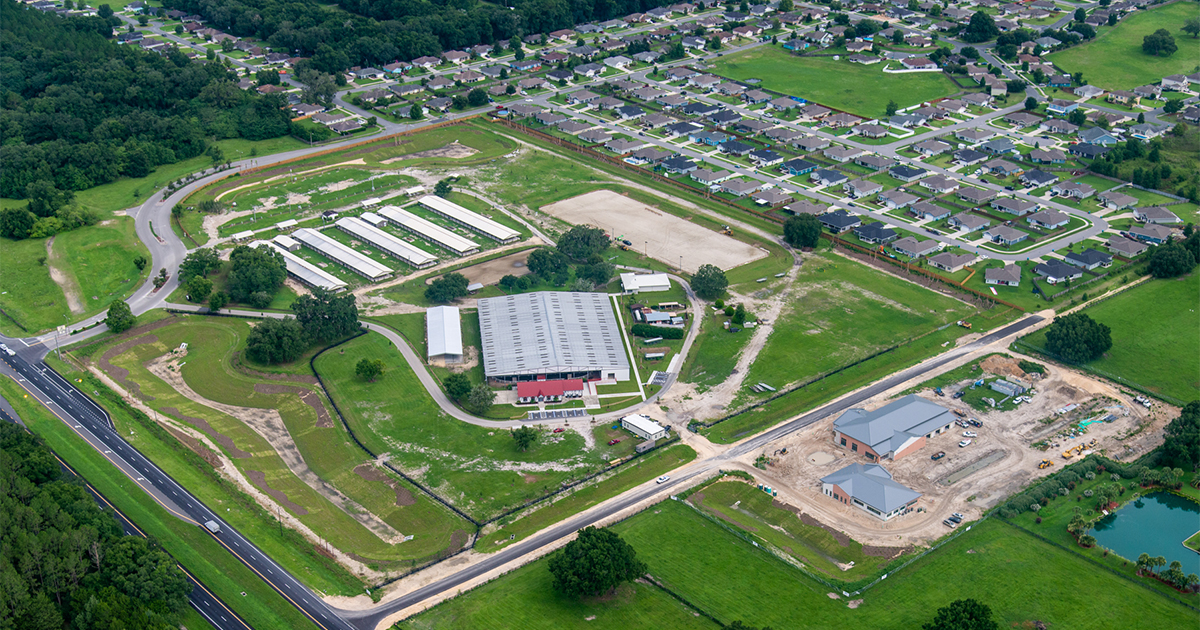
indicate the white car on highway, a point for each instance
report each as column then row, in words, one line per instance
column 663, row 479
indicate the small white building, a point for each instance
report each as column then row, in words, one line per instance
column 287, row 242
column 443, row 334
column 643, row 427
column 645, row 282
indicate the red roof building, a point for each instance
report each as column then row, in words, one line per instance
column 549, row 391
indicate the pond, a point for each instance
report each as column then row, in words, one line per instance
column 1156, row 524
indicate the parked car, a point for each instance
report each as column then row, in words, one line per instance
column 559, row 430
column 964, row 443
column 663, row 479
column 975, row 423
column 938, row 455
column 949, row 523
column 955, row 519
column 959, row 394
column 970, row 434
column 614, row 441
column 960, row 516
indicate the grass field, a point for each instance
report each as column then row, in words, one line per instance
column 525, row 598
column 850, row 87
column 197, row 551
column 98, row 260
column 478, row 469
column 842, row 311
column 1140, row 319
column 644, row 469
column 1021, row 578
column 327, row 452
column 747, row 508
column 1115, row 61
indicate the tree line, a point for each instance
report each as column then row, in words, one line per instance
column 79, row 110
column 374, row 33
column 64, row 561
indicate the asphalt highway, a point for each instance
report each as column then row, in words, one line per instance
column 91, row 423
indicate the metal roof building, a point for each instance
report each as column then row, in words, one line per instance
column 429, row 230
column 395, row 247
column 472, row 221
column 869, row 487
column 443, row 334
column 303, row 270
column 342, row 254
column 551, row 334
column 894, row 430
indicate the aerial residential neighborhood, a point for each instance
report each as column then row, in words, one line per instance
column 561, row 314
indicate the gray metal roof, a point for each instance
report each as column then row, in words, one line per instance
column 889, row 427
column 303, row 270
column 872, row 485
column 443, row 330
column 357, row 262
column 410, row 254
column 550, row 332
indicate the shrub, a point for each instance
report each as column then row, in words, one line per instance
column 647, row 330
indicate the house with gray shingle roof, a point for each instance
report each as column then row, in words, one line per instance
column 869, row 487
column 893, row 431
column 1009, row 275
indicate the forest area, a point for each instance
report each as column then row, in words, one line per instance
column 78, row 110
column 366, row 32
column 64, row 562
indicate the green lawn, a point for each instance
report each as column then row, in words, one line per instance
column 98, row 260
column 1140, row 319
column 526, row 598
column 478, row 469
column 326, row 451
column 843, row 311
column 1115, row 60
column 715, row 352
column 851, row 87
column 197, row 551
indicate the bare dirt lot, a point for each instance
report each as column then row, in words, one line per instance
column 490, row 272
column 971, row 479
column 453, row 150
column 664, row 236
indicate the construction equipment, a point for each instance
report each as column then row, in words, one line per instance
column 623, row 247
column 1073, row 451
column 1045, row 464
column 964, row 324
column 726, row 230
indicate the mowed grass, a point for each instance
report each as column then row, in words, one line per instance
column 1155, row 334
column 194, row 548
column 99, row 260
column 842, row 311
column 1021, row 578
column 715, row 352
column 478, row 469
column 1115, row 61
column 526, row 598
column 850, row 87
column 756, row 515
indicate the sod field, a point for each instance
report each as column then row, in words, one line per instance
column 1021, row 578
column 1115, row 61
column 1141, row 319
column 310, row 466
column 850, row 87
column 479, row 470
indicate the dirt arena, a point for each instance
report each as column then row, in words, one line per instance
column 490, row 272
column 664, row 236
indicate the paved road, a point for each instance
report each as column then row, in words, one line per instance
column 91, row 423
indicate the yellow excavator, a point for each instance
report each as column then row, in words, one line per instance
column 725, row 229
column 1073, row 451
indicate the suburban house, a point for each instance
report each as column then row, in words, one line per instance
column 1005, row 235
column 1176, row 82
column 1125, row 247
column 969, row 222
column 827, row 177
column 1056, row 271
column 1037, row 178
column 1047, row 156
column 999, row 146
column 1073, row 189
column 734, row 147
column 914, row 248
column 772, row 197
column 878, row 233
column 765, row 157
column 1049, row 219
column 1151, row 233
column 709, row 178
column 549, row 391
column 930, row 148
column 1002, row 168
column 842, row 154
column 1088, row 259
column 870, row 488
column 969, row 157
column 678, row 164
column 896, row 198
column 1155, row 214
column 1114, row 200
column 906, row 173
column 1059, row 107
column 860, row 188
column 874, row 162
column 940, row 184
column 950, row 262
column 797, row 167
column 893, row 431
column 805, row 206
column 839, row 221
column 927, row 211
column 976, row 196
column 741, row 188
column 1008, row 276
column 1012, row 205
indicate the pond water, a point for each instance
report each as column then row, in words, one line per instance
column 1156, row 524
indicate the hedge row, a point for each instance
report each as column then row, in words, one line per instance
column 647, row 330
